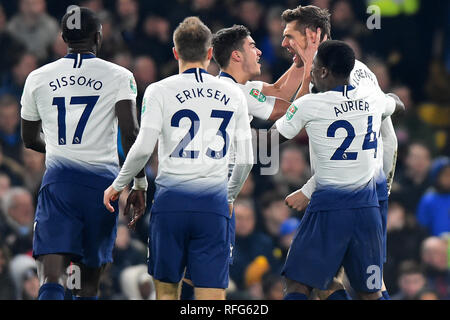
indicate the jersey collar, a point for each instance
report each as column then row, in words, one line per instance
column 83, row 55
column 226, row 75
column 197, row 72
column 343, row 88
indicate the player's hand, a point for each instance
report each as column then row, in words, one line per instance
column 137, row 200
column 230, row 207
column 297, row 201
column 313, row 42
column 110, row 194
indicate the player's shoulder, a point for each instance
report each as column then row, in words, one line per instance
column 226, row 86
column 118, row 70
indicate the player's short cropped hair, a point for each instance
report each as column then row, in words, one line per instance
column 192, row 39
column 89, row 24
column 337, row 56
column 311, row 17
column 225, row 41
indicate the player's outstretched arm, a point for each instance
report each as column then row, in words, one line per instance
column 286, row 86
column 31, row 135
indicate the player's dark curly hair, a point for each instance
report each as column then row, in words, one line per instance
column 225, row 41
column 337, row 56
column 89, row 24
column 311, row 17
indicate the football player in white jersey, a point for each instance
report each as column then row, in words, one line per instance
column 342, row 225
column 301, row 35
column 78, row 101
column 236, row 53
column 195, row 117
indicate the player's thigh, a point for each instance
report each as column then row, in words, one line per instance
column 364, row 259
column 318, row 248
column 58, row 226
column 100, row 229
column 209, row 250
column 168, row 243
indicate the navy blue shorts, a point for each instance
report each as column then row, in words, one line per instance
column 196, row 241
column 384, row 213
column 327, row 240
column 232, row 228
column 71, row 219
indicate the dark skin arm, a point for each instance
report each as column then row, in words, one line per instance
column 399, row 106
column 129, row 128
column 31, row 135
column 274, row 132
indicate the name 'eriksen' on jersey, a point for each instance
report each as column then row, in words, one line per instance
column 75, row 80
column 203, row 93
column 351, row 106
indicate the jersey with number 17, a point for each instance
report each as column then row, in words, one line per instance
column 75, row 99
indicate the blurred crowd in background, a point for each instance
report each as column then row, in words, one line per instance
column 410, row 56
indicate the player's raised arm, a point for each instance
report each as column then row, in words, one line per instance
column 286, row 86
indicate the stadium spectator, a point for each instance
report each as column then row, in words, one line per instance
column 10, row 46
column 18, row 218
column 10, row 139
column 253, row 249
column 435, row 264
column 433, row 209
column 404, row 238
column 34, row 165
column 127, row 252
column 12, row 169
column 7, row 288
column 128, row 19
column 30, row 285
column 13, row 82
column 413, row 179
column 275, row 212
column 136, row 284
column 411, row 281
column 272, row 287
column 34, row 27
column 145, row 73
column 20, row 265
column 294, row 170
column 5, row 184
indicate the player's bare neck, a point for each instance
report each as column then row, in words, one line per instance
column 81, row 49
column 336, row 82
column 183, row 66
column 236, row 72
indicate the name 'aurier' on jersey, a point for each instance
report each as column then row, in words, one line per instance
column 198, row 117
column 342, row 125
column 75, row 99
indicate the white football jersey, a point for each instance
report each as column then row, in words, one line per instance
column 198, row 116
column 75, row 99
column 259, row 105
column 342, row 126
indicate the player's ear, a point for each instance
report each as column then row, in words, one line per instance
column 175, row 53
column 210, row 53
column 236, row 55
column 324, row 72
